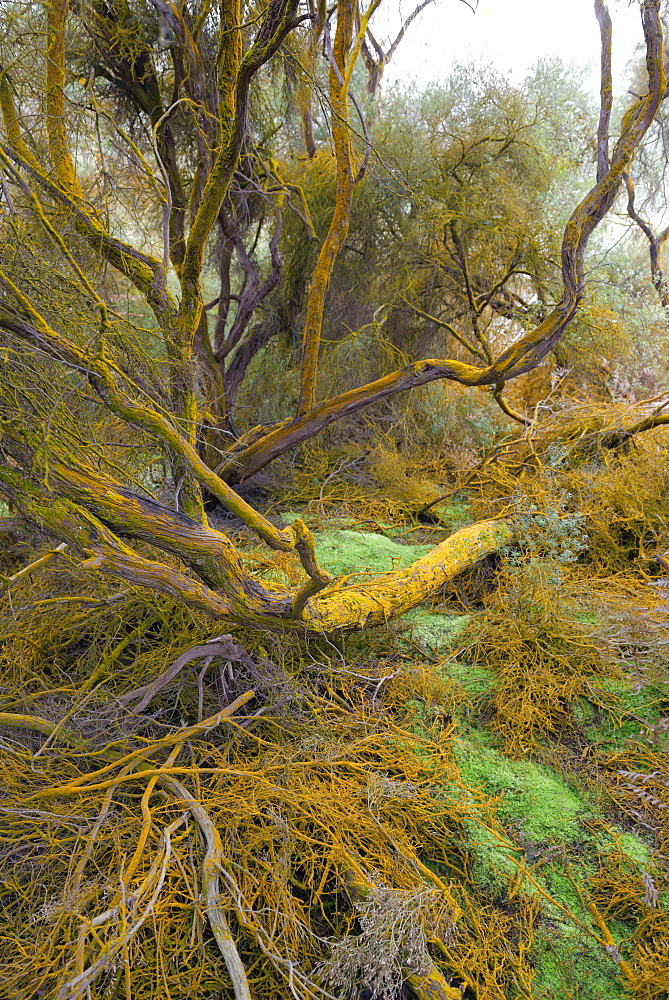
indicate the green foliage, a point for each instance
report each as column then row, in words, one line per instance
column 549, row 537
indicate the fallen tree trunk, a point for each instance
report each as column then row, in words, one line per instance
column 98, row 513
column 376, row 602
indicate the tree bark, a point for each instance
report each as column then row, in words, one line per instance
column 97, row 512
column 339, row 225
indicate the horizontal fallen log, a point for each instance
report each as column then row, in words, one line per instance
column 377, row 602
column 99, row 513
column 336, row 608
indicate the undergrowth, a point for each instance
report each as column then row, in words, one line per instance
column 485, row 814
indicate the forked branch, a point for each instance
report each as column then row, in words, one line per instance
column 655, row 242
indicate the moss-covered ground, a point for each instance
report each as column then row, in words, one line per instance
column 555, row 832
column 490, row 761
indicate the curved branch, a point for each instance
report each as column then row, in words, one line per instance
column 321, row 607
column 530, row 350
column 350, row 608
column 296, row 536
column 506, row 408
column 221, row 647
column 211, row 887
column 655, row 243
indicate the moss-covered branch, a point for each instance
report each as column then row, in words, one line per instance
column 97, row 512
column 532, row 348
column 339, row 224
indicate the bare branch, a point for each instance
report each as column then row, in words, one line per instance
column 655, row 243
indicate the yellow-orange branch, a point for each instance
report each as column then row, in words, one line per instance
column 339, row 224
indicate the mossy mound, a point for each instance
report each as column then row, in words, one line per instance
column 343, row 552
column 568, row 964
column 432, row 631
column 532, row 795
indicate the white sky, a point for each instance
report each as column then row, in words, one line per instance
column 511, row 33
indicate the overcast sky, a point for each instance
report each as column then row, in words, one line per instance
column 511, row 33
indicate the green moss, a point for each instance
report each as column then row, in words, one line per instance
column 530, row 795
column 434, row 632
column 635, row 849
column 587, row 617
column 569, row 965
column 453, row 515
column 631, row 715
column 346, row 551
column 492, row 861
column 476, row 681
column 542, row 813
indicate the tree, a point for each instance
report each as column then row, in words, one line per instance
column 143, row 180
column 67, row 266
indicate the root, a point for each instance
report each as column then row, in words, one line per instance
column 221, row 647
column 211, row 888
column 82, row 784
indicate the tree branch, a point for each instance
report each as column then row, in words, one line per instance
column 530, row 350
column 339, row 224
column 655, row 243
column 606, row 88
column 277, row 23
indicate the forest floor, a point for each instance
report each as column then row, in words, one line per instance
column 472, row 798
column 557, row 829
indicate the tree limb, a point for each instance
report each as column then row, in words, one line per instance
column 339, row 224
column 655, row 243
column 530, row 350
column 606, row 88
